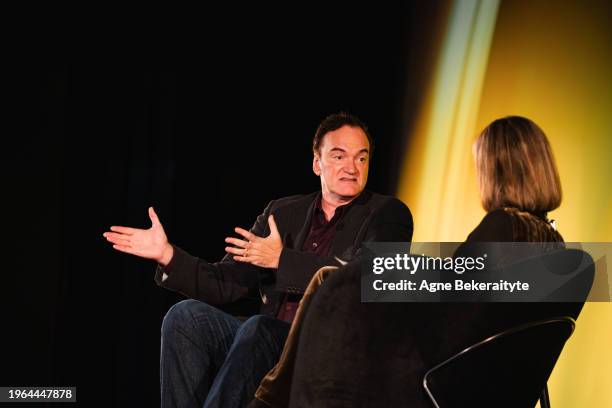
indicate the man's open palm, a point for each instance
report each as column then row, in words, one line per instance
column 149, row 243
column 260, row 251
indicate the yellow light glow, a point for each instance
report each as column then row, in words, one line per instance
column 551, row 62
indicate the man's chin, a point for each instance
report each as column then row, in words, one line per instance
column 348, row 194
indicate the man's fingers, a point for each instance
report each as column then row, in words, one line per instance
column 116, row 239
column 238, row 242
column 116, row 235
column 124, row 230
column 243, row 251
column 235, row 251
column 153, row 216
column 249, row 236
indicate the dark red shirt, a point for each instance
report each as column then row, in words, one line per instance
column 318, row 241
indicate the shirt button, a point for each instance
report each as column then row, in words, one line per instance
column 314, row 244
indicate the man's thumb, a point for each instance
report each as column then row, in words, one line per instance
column 273, row 227
column 153, row 216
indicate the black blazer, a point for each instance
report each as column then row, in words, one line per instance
column 371, row 217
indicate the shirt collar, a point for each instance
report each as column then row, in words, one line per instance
column 340, row 210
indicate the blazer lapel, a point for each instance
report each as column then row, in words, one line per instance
column 304, row 212
column 296, row 221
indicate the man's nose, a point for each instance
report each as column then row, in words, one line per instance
column 350, row 167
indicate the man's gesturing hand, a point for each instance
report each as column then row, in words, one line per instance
column 264, row 252
column 149, row 243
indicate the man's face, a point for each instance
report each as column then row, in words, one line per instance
column 342, row 163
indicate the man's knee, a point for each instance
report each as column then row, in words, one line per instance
column 258, row 321
column 262, row 325
column 181, row 315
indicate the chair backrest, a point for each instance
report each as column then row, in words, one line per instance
column 508, row 369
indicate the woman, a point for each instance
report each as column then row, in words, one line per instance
column 375, row 354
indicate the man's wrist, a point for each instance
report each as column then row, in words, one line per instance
column 166, row 256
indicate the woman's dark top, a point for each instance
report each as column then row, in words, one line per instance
column 513, row 225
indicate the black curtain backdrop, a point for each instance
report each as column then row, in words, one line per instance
column 207, row 126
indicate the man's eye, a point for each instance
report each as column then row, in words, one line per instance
column 363, row 159
column 337, row 157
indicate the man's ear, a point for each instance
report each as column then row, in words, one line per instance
column 316, row 164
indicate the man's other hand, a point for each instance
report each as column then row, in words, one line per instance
column 149, row 243
column 264, row 252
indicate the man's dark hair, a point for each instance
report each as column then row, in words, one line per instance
column 335, row 122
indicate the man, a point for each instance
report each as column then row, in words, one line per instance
column 210, row 358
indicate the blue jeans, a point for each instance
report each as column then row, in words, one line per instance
column 211, row 359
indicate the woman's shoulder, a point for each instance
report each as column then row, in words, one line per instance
column 496, row 226
column 513, row 225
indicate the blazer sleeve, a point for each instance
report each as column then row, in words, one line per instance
column 391, row 222
column 216, row 283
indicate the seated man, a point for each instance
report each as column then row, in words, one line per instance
column 211, row 358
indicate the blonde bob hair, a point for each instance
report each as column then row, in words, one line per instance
column 516, row 167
